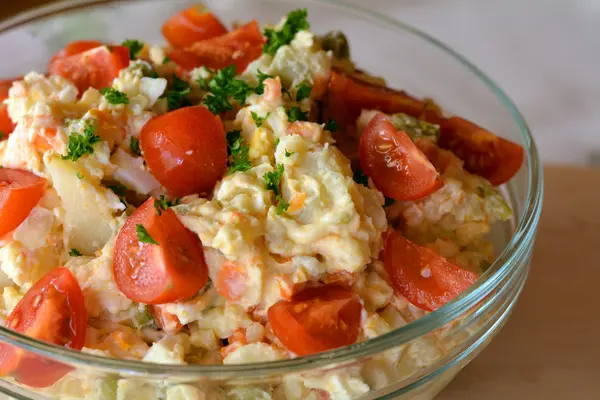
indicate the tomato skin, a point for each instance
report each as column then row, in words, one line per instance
column 165, row 320
column 20, row 191
column 317, row 319
column 347, row 96
column 174, row 270
column 192, row 25
column 397, row 167
column 76, row 47
column 53, row 311
column 6, row 124
column 406, row 263
column 186, row 150
column 239, row 47
column 484, row 153
column 96, row 67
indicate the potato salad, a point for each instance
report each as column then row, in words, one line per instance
column 237, row 195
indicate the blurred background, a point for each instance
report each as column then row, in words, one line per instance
column 546, row 55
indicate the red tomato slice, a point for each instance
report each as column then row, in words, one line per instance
column 239, row 47
column 6, row 124
column 192, row 25
column 20, row 191
column 53, row 311
column 96, row 68
column 186, row 150
column 426, row 279
column 317, row 319
column 484, row 153
column 165, row 320
column 170, row 271
column 397, row 167
column 347, row 96
column 75, row 47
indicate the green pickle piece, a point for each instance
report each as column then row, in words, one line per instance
column 336, row 42
column 494, row 202
column 416, row 128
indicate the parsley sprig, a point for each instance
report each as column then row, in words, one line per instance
column 238, row 152
column 162, row 204
column 260, row 88
column 114, row 96
column 296, row 21
column 258, row 121
column 296, row 114
column 224, row 86
column 75, row 253
column 177, row 95
column 272, row 182
column 134, row 46
column 79, row 145
column 134, row 146
column 143, row 234
column 303, row 91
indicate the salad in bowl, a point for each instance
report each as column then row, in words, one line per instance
column 237, row 195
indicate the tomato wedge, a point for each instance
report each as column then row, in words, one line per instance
column 76, row 47
column 53, row 311
column 239, row 47
column 20, row 191
column 317, row 319
column 6, row 124
column 397, row 167
column 347, row 96
column 426, row 279
column 192, row 25
column 186, row 150
column 96, row 67
column 165, row 320
column 484, row 153
column 170, row 271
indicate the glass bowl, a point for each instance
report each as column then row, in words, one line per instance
column 408, row 59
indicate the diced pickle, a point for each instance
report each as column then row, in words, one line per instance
column 337, row 42
column 416, row 128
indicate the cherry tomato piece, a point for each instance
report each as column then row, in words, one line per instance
column 20, row 191
column 165, row 320
column 76, row 47
column 239, row 47
column 186, row 150
column 192, row 25
column 95, row 68
column 53, row 311
column 426, row 279
column 484, row 153
column 6, row 124
column 397, row 167
column 317, row 319
column 170, row 271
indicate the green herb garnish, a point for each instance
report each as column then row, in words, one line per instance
column 273, row 179
column 79, row 175
column 295, row 22
column 282, row 205
column 224, row 86
column 166, row 60
column 258, row 121
column 162, row 204
column 177, row 94
column 260, row 89
column 75, row 253
column 331, row 125
column 296, row 114
column 143, row 234
column 79, row 145
column 113, row 96
column 134, row 46
column 277, row 142
column 287, row 153
column 134, row 146
column 238, row 152
column 303, row 91
column 2, row 135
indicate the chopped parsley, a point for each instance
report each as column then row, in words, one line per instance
column 2, row 135
column 284, row 92
column 277, row 142
column 79, row 145
column 161, row 204
column 260, row 89
column 273, row 179
column 224, row 86
column 282, row 205
column 75, row 253
column 177, row 94
column 143, row 234
column 259, row 120
column 166, row 59
column 331, row 125
column 238, row 151
column 134, row 146
column 79, row 175
column 287, row 153
column 296, row 114
column 303, row 91
column 361, row 178
column 118, row 189
column 295, row 22
column 134, row 46
column 113, row 96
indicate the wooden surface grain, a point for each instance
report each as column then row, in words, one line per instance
column 550, row 347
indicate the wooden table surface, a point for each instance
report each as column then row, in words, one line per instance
column 550, row 348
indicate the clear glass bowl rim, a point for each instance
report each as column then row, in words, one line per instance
column 509, row 260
